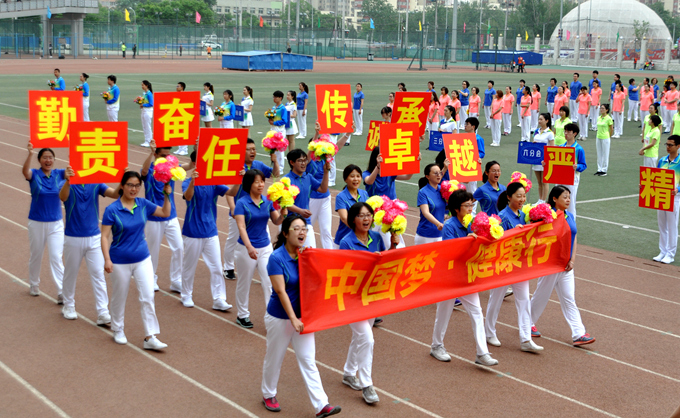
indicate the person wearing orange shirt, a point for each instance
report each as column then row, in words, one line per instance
column 595, row 95
column 508, row 104
column 444, row 100
column 583, row 100
column 455, row 103
column 561, row 99
column 433, row 112
column 525, row 115
column 535, row 106
column 390, row 104
column 617, row 110
column 646, row 99
column 496, row 109
column 671, row 102
column 475, row 101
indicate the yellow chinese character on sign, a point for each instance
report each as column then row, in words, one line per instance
column 560, row 156
column 463, row 160
column 54, row 117
column 481, row 264
column 510, row 252
column 383, row 282
column 534, row 242
column 176, row 120
column 411, row 113
column 225, row 156
column 98, row 148
column 400, row 149
column 374, row 136
column 343, row 287
column 418, row 272
column 335, row 106
column 657, row 188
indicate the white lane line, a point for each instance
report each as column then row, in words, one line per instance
column 502, row 374
column 166, row 366
column 630, row 267
column 628, row 291
column 605, row 199
column 33, row 390
column 17, row 107
column 619, row 224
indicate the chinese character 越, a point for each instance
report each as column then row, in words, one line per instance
column 400, row 149
column 176, row 120
column 418, row 272
column 54, row 116
column 657, row 188
column 343, row 287
column 335, row 106
column 534, row 242
column 558, row 157
column 411, row 113
column 481, row 264
column 225, row 156
column 463, row 160
column 98, row 148
column 383, row 282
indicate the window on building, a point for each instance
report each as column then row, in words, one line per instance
column 252, row 10
column 261, row 11
column 227, row 10
column 219, row 10
column 277, row 11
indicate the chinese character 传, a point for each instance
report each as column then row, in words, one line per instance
column 335, row 107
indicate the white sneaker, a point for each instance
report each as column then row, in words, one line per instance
column 659, row 257
column 508, row 292
column 155, row 287
column 176, row 287
column 119, row 337
column 667, row 259
column 183, row 153
column 178, row 152
column 69, row 312
column 154, row 343
column 60, row 299
column 221, row 305
column 531, row 346
column 104, row 319
column 493, row 341
column 34, row 290
column 440, row 353
column 486, row 360
column 538, row 202
column 188, row 302
column 145, row 145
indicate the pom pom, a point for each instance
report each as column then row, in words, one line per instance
column 285, row 181
column 178, row 174
column 467, row 219
column 496, row 231
column 274, row 141
column 399, row 225
column 294, row 191
column 161, row 173
column 160, row 160
column 375, row 202
column 172, row 160
column 517, row 177
column 487, row 227
column 541, row 212
column 378, row 217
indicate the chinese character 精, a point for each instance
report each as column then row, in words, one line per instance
column 657, row 188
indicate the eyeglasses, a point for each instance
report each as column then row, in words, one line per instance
column 298, row 228
column 494, row 171
column 467, row 205
column 438, row 173
column 670, row 145
column 133, row 185
column 364, row 215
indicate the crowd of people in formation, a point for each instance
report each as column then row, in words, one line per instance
column 128, row 243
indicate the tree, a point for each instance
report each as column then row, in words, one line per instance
column 383, row 14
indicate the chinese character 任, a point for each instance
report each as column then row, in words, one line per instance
column 98, row 148
column 176, row 120
column 54, row 116
column 400, row 149
column 383, row 282
column 335, row 107
column 463, row 161
column 225, row 156
column 343, row 287
column 411, row 113
column 418, row 272
column 559, row 156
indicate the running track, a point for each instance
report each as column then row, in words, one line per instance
column 53, row 367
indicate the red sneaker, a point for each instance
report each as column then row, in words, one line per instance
column 534, row 332
column 583, row 340
column 271, row 404
column 328, row 410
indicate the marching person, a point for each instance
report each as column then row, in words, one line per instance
column 547, row 137
column 668, row 221
column 633, row 100
column 562, row 282
column 283, row 324
column 291, row 126
column 675, row 122
column 448, row 123
column 444, row 100
column 550, row 94
column 83, row 240
column 147, row 112
column 432, row 123
column 455, row 104
column 570, row 132
column 302, row 99
column 358, row 111
column 113, row 104
column 208, row 98
column 575, row 90
column 279, row 123
column 432, row 206
column 227, row 121
column 86, row 96
column 45, row 224
column 519, row 94
column 671, row 99
column 605, row 129
column 126, row 256
column 344, row 200
column 646, row 100
column 247, row 103
column 464, row 97
column 60, row 84
column 583, row 101
column 200, row 238
column 460, row 204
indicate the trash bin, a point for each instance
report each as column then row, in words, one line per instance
column 369, row 56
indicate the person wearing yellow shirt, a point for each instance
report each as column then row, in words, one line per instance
column 559, row 125
column 650, row 142
column 605, row 129
column 675, row 122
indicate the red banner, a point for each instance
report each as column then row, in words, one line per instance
column 373, row 138
column 220, row 156
column 399, row 147
column 334, row 108
column 411, row 107
column 656, row 188
column 98, row 152
column 176, row 118
column 340, row 287
column 50, row 114
column 463, row 153
column 559, row 165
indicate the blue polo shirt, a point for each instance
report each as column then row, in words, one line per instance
column 571, row 221
column 45, row 202
column 671, row 165
column 256, row 217
column 580, row 156
column 86, row 89
column 280, row 263
column 256, row 165
column 464, row 100
column 200, row 220
column 431, row 197
column 656, row 92
column 519, row 93
column 612, row 89
column 351, row 242
column 575, row 88
column 306, row 183
column 82, row 210
column 633, row 95
column 345, row 200
column 551, row 93
column 488, row 96
column 454, row 229
column 153, row 191
column 590, row 84
column 356, row 103
column 381, row 186
column 301, row 100
column 509, row 220
column 487, row 197
column 60, row 84
column 129, row 243
column 315, row 168
column 149, row 98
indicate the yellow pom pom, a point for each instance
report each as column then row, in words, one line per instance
column 496, row 231
column 178, row 174
column 377, row 218
column 399, row 225
column 493, row 221
column 285, row 181
column 375, row 202
column 467, row 219
column 385, row 228
column 526, row 208
column 287, row 202
column 293, row 190
column 160, row 160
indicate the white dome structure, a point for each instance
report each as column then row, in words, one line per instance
column 606, row 18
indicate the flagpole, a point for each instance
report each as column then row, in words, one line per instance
column 454, row 30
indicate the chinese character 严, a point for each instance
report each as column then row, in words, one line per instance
column 463, row 160
column 98, row 148
column 383, row 282
column 400, row 149
column 225, row 156
column 418, row 272
column 343, row 287
column 657, row 188
column 335, row 106
column 54, row 116
column 176, row 120
column 560, row 156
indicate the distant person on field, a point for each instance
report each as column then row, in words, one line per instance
column 123, row 48
column 134, row 51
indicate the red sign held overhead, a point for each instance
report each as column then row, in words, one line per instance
column 559, row 165
column 176, row 118
column 656, row 188
column 220, row 156
column 411, row 107
column 50, row 114
column 399, row 147
column 334, row 108
column 462, row 152
column 98, row 151
column 373, row 138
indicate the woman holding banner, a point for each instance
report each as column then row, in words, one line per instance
column 460, row 204
column 432, row 206
column 283, row 324
column 562, row 282
column 359, row 364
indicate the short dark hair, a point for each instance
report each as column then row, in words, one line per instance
column 250, row 141
column 446, row 89
column 504, row 197
column 577, row 74
column 491, row 81
column 184, row 86
column 606, row 106
column 112, row 78
column 656, row 120
column 617, row 75
column 158, row 149
column 278, row 93
column 675, row 138
column 457, row 198
column 473, row 121
column 249, row 178
column 193, row 156
column 631, row 81
column 485, row 176
column 596, row 72
column 353, row 212
column 126, row 176
column 294, row 155
column 467, row 83
column 385, row 110
column 572, row 127
column 57, row 69
column 285, row 227
column 44, row 150
column 565, row 109
column 554, row 79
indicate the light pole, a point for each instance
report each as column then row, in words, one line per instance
column 288, row 25
column 505, row 28
column 297, row 22
column 544, row 32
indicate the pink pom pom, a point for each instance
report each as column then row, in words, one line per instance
column 390, row 215
column 401, row 205
column 387, row 203
column 480, row 225
column 161, row 172
column 541, row 212
column 174, row 162
column 498, row 218
column 445, row 189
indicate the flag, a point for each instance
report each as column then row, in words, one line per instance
column 617, row 36
column 261, row 22
column 569, row 35
column 49, row 13
column 198, row 17
column 127, row 15
column 463, row 27
column 526, row 35
column 372, row 24
column 420, row 26
column 488, row 30
column 319, row 25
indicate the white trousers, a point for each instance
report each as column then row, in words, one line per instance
column 618, row 123
column 668, row 229
column 281, row 159
column 360, row 354
column 112, row 113
column 387, row 238
column 120, row 285
column 310, row 241
column 563, row 283
column 573, row 107
column 519, row 115
column 526, row 128
column 507, row 123
column 147, row 123
column 594, row 113
column 633, row 109
column 643, row 115
column 173, row 234
column 487, row 116
column 322, row 214
column 534, row 120
column 649, row 162
column 496, row 131
column 86, row 109
column 209, row 249
column 50, row 234
column 302, row 124
column 522, row 303
column 551, row 107
column 474, row 310
column 184, row 149
column 228, row 124
column 425, row 240
column 358, row 121
column 89, row 248
column 462, row 116
column 332, row 175
column 583, row 125
column 573, row 190
column 664, row 118
column 280, row 333
column 246, row 267
column 602, row 154
column 230, row 245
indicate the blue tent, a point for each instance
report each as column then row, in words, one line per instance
column 505, row 57
column 266, row 61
